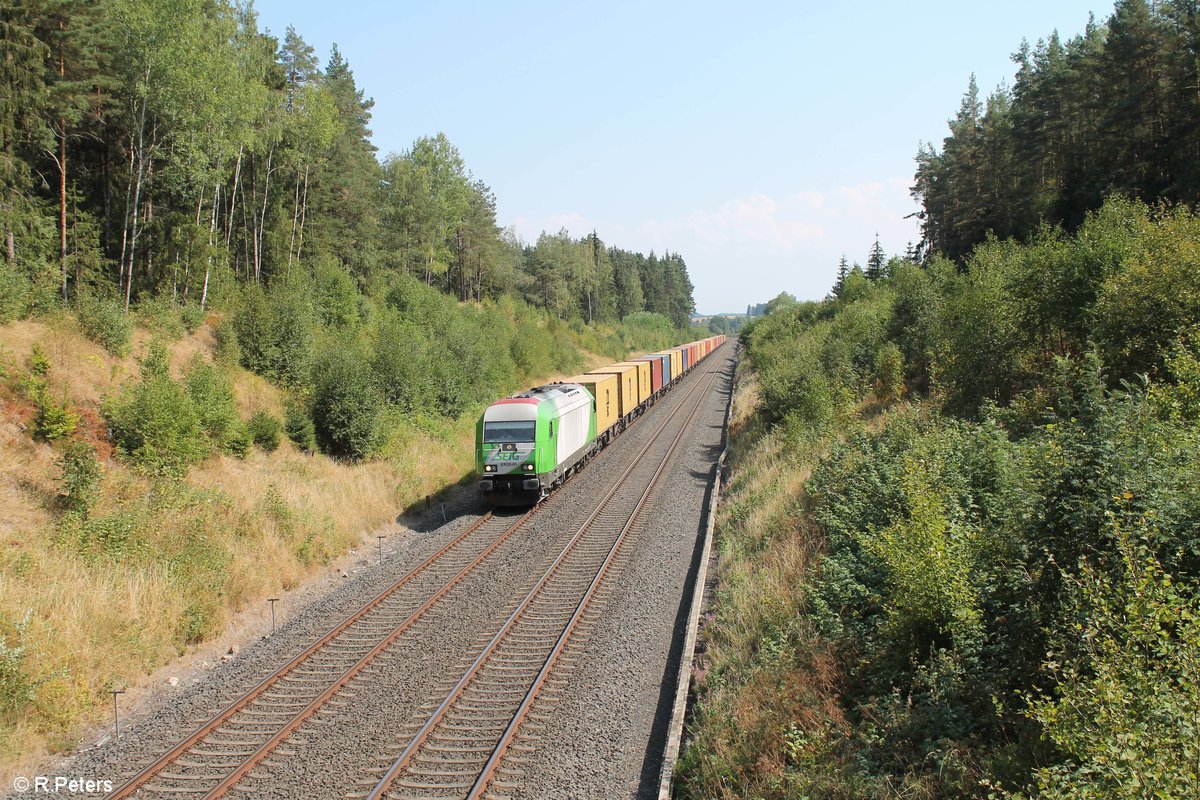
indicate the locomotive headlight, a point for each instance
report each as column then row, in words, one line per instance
column 529, row 467
column 489, row 467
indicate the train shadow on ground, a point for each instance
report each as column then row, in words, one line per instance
column 455, row 500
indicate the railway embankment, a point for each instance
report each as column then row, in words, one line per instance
column 617, row 668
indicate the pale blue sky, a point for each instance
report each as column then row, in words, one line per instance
column 760, row 140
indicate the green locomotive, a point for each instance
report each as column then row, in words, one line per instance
column 529, row 443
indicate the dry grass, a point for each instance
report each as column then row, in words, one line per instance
column 768, row 689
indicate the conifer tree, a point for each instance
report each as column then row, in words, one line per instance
column 842, row 271
column 875, row 261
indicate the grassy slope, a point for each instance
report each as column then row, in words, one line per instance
column 768, row 687
column 193, row 554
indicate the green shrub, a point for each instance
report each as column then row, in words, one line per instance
column 228, row 352
column 104, row 321
column 927, row 565
column 14, row 293
column 647, row 332
column 403, row 363
column 192, row 316
column 1142, row 308
column 16, row 685
column 336, row 295
column 239, row 441
column 39, row 364
column 79, row 477
column 53, row 420
column 1127, row 701
column 347, row 407
column 114, row 536
column 216, row 411
column 298, row 425
column 889, row 373
column 161, row 315
column 154, row 421
column 275, row 332
column 792, row 380
column 986, row 355
column 264, row 430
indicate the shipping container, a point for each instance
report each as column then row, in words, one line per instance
column 644, row 384
column 685, row 356
column 657, row 364
column 605, row 398
column 668, row 367
column 626, row 386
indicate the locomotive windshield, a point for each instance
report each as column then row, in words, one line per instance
column 508, row 431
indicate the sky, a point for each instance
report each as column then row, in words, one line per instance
column 759, row 140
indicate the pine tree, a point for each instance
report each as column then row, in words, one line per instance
column 875, row 261
column 347, row 192
column 299, row 63
column 842, row 271
column 78, row 91
column 22, row 104
column 627, row 283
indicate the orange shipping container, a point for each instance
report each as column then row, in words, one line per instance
column 644, row 388
column 627, row 392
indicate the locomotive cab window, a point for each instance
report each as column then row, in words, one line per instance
column 508, row 432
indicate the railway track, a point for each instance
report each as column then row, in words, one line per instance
column 458, row 750
column 245, row 734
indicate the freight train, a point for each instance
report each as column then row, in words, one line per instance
column 528, row 444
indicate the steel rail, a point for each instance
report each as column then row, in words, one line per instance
column 244, row 701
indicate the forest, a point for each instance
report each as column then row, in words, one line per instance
column 959, row 550
column 168, row 157
column 1110, row 111
column 169, row 148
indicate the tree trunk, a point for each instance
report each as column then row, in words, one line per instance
column 150, row 202
column 262, row 219
column 187, row 269
column 247, row 230
column 128, row 208
column 137, row 199
column 295, row 222
column 237, row 176
column 62, row 204
column 212, row 229
column 303, row 216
